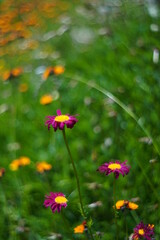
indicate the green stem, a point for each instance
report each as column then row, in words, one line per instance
column 114, row 200
column 77, row 180
column 126, row 227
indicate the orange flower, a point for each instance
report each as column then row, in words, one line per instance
column 3, row 41
column 151, row 226
column 19, row 26
column 46, row 99
column 79, row 229
column 43, row 166
column 32, row 20
column 23, row 87
column 57, row 70
column 22, row 161
column 14, row 165
column 2, row 172
column 16, row 71
column 132, row 206
column 6, row 75
column 122, row 204
column 26, row 7
column 12, row 74
column 48, row 72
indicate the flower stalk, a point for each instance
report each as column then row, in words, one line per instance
column 78, row 182
column 114, row 201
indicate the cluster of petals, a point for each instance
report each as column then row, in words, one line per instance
column 80, row 228
column 143, row 231
column 114, row 167
column 56, row 201
column 123, row 204
column 46, row 99
column 56, row 70
column 60, row 121
column 43, row 166
column 22, row 161
column 12, row 74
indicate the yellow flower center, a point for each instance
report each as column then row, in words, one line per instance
column 61, row 118
column 60, row 199
column 114, row 166
column 141, row 231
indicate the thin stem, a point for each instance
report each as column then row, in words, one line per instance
column 77, row 180
column 75, row 172
column 126, row 226
column 114, row 200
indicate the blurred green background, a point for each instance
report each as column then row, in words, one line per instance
column 114, row 44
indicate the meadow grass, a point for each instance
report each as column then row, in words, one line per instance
column 111, row 81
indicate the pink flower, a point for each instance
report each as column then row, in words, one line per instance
column 60, row 121
column 56, row 201
column 115, row 167
column 143, row 231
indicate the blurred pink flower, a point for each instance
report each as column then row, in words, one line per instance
column 56, row 201
column 115, row 167
column 143, row 231
column 60, row 120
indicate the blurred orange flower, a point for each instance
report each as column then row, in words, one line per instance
column 23, row 87
column 80, row 228
column 14, row 165
column 22, row 161
column 57, row 70
column 49, row 71
column 2, row 172
column 46, row 99
column 122, row 204
column 3, row 41
column 43, row 166
column 12, row 74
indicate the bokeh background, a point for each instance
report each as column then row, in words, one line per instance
column 114, row 44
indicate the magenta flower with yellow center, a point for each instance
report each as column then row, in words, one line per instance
column 56, row 201
column 60, row 121
column 143, row 231
column 116, row 167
